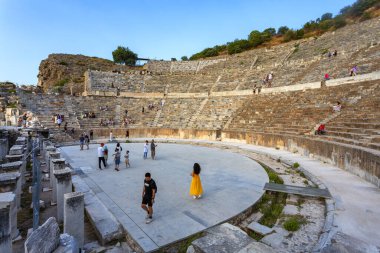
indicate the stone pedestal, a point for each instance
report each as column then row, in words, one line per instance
column 10, row 199
column 64, row 185
column 3, row 148
column 49, row 163
column 44, row 239
column 58, row 164
column 21, row 140
column 73, row 216
column 17, row 150
column 13, row 167
column 10, row 182
column 47, row 152
column 19, row 158
column 5, row 228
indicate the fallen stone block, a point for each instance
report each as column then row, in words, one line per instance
column 274, row 240
column 67, row 244
column 259, row 229
column 257, row 247
column 224, row 238
column 44, row 239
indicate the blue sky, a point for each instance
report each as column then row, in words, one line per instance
column 30, row 30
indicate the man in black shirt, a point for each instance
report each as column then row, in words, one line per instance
column 148, row 194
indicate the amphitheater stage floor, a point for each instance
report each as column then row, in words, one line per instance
column 231, row 182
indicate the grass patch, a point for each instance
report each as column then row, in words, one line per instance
column 271, row 206
column 296, row 165
column 127, row 141
column 12, row 105
column 182, row 247
column 302, row 174
column 294, row 223
column 306, row 182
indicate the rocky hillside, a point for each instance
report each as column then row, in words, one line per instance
column 65, row 72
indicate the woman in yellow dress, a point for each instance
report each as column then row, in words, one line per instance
column 196, row 185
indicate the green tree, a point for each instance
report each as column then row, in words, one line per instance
column 124, row 55
column 268, row 33
column 255, row 38
column 173, row 59
column 184, row 58
column 282, row 30
column 326, row 16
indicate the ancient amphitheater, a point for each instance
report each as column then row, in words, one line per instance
column 219, row 112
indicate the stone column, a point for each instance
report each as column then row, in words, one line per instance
column 58, row 164
column 64, row 185
column 9, row 182
column 52, row 156
column 73, row 216
column 10, row 199
column 5, row 228
column 13, row 167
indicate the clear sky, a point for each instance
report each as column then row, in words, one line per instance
column 30, row 30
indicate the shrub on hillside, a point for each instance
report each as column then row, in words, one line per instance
column 238, row 46
column 124, row 55
column 282, row 30
column 255, row 38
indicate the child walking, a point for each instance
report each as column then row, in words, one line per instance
column 126, row 156
column 196, row 185
column 146, row 146
column 117, row 159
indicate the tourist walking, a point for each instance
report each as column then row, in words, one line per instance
column 87, row 141
column 146, row 147
column 126, row 157
column 101, row 156
column 105, row 153
column 196, row 189
column 153, row 149
column 127, row 134
column 148, row 195
column 81, row 141
column 111, row 136
column 117, row 158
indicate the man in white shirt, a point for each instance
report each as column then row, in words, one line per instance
column 101, row 156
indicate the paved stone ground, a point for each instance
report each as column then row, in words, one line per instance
column 231, row 182
column 356, row 200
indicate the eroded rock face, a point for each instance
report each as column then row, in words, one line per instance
column 45, row 239
column 67, row 70
column 343, row 243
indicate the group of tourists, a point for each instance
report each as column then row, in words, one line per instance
column 107, row 122
column 150, row 187
column 321, row 128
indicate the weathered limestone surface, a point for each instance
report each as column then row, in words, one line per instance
column 257, row 247
column 9, row 198
column 14, row 167
column 45, row 239
column 58, row 164
column 223, row 238
column 9, row 182
column 106, row 226
column 260, row 229
column 64, row 185
column 16, row 150
column 347, row 244
column 3, row 148
column 5, row 228
column 73, row 216
column 67, row 244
